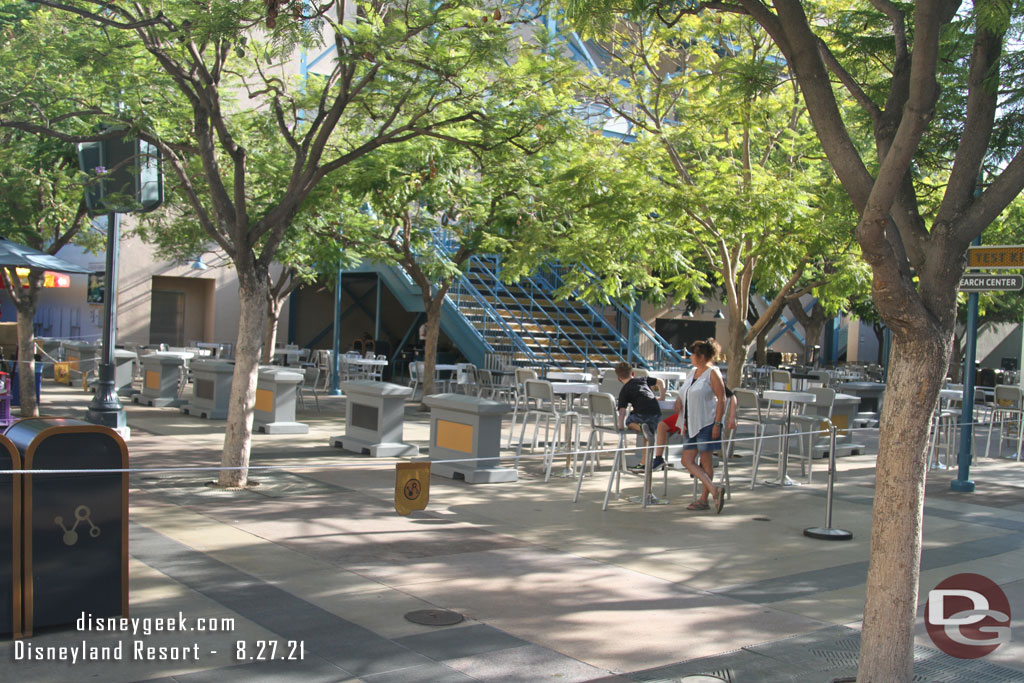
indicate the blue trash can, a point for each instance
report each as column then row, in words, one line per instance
column 15, row 390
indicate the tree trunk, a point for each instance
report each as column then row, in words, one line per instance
column 812, row 332
column 252, row 294
column 736, row 355
column 916, row 372
column 26, row 365
column 761, row 352
column 430, row 344
column 274, row 307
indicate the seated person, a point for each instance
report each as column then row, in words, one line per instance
column 638, row 392
column 669, row 426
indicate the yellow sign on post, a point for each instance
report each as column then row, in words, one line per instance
column 62, row 373
column 412, row 486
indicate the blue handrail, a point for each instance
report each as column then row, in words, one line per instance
column 661, row 352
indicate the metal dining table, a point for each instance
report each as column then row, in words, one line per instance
column 789, row 398
column 560, row 376
column 570, row 390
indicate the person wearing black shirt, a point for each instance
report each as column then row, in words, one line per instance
column 638, row 393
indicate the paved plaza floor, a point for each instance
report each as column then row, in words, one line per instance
column 315, row 561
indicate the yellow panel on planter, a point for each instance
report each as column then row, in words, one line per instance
column 152, row 379
column 840, row 423
column 264, row 400
column 455, row 436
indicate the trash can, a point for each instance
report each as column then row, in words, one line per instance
column 10, row 540
column 75, row 525
column 15, row 386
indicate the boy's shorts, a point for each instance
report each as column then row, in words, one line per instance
column 671, row 420
column 650, row 420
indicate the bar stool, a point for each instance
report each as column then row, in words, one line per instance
column 519, row 396
column 1008, row 408
column 603, row 420
column 540, row 403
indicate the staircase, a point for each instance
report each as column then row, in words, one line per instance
column 521, row 322
column 524, row 322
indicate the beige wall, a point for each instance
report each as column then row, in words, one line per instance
column 212, row 311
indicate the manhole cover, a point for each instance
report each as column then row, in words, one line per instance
column 762, row 519
column 434, row 617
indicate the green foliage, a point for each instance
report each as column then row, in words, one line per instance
column 726, row 159
column 40, row 192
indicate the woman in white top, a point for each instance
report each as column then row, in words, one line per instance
column 703, row 405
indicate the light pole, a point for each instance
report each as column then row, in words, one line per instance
column 105, row 408
column 123, row 175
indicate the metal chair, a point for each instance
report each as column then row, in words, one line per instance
column 1007, row 410
column 376, row 372
column 487, row 388
column 466, row 379
column 779, row 380
column 415, row 376
column 809, row 422
column 603, row 420
column 540, row 403
column 519, row 396
column 310, row 379
column 748, row 409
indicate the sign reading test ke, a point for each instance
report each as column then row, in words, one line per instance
column 996, row 256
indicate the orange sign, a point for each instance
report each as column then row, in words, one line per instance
column 996, row 256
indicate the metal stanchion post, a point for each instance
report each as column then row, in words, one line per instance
column 827, row 533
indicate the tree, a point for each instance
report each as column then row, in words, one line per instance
column 41, row 206
column 938, row 92
column 433, row 205
column 246, row 139
column 727, row 150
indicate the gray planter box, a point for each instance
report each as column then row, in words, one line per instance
column 124, row 362
column 161, row 373
column 82, row 358
column 464, row 427
column 211, row 388
column 275, row 402
column 374, row 419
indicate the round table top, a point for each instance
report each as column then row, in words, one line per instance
column 569, row 376
column 788, row 396
column 573, row 387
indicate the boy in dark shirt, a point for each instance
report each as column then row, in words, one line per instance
column 638, row 392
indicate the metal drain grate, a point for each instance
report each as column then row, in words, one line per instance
column 434, row 617
column 837, row 658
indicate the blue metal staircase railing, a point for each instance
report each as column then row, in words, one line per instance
column 651, row 348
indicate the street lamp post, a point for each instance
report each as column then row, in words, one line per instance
column 105, row 408
column 123, row 175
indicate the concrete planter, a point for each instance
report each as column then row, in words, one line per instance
column 275, row 402
column 82, row 358
column 161, row 374
column 211, row 389
column 463, row 427
column 374, row 419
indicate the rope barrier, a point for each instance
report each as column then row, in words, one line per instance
column 383, row 462
column 391, row 462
